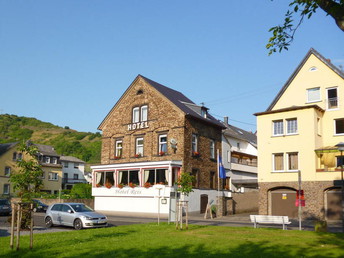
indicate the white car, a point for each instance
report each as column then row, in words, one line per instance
column 76, row 215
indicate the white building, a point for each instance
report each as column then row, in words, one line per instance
column 239, row 152
column 73, row 170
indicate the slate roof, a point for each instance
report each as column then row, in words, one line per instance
column 6, row 146
column 241, row 134
column 46, row 150
column 291, row 78
column 71, row 159
column 178, row 99
column 183, row 103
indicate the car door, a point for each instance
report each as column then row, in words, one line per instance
column 67, row 215
column 55, row 213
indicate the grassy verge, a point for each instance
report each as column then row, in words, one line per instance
column 151, row 240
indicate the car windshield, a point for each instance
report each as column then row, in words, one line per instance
column 81, row 208
column 4, row 202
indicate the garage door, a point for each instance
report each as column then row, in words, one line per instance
column 283, row 203
column 334, row 204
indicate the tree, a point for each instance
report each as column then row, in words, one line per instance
column 185, row 183
column 28, row 179
column 283, row 35
column 81, row 191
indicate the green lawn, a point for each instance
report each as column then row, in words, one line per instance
column 151, row 240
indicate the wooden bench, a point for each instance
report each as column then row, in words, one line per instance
column 269, row 219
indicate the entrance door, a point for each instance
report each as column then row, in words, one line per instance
column 334, row 204
column 283, row 203
column 204, row 202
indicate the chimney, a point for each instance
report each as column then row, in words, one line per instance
column 225, row 120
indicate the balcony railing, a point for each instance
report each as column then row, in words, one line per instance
column 246, row 162
column 73, row 181
column 332, row 103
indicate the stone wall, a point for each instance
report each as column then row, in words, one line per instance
column 313, row 192
column 88, row 202
column 243, row 203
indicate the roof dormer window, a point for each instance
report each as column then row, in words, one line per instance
column 204, row 112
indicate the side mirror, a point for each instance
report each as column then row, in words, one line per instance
column 70, row 211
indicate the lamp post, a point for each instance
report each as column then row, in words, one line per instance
column 340, row 147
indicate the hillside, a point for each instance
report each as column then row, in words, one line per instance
column 85, row 146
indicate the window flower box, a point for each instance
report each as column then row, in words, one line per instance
column 98, row 185
column 108, row 185
column 196, row 154
column 132, row 185
column 120, row 185
column 162, row 153
column 117, row 157
column 138, row 155
column 147, row 185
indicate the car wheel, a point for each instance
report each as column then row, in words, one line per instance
column 77, row 224
column 34, row 209
column 48, row 222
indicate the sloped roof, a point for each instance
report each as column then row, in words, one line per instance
column 178, row 99
column 291, row 78
column 6, row 146
column 46, row 150
column 241, row 134
column 71, row 159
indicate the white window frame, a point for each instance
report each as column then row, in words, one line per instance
column 76, row 165
column 335, row 126
column 288, row 164
column 212, row 149
column 119, row 148
column 328, row 100
column 139, row 147
column 279, row 127
column 162, row 143
column 46, row 159
column 194, row 143
column 273, row 162
column 136, row 115
column 7, row 189
column 288, row 129
column 53, row 176
column 313, row 100
column 144, row 113
column 7, row 171
column 65, row 164
column 54, row 160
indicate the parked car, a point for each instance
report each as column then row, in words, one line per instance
column 77, row 215
column 39, row 206
column 5, row 207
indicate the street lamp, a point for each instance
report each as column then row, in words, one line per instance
column 340, row 147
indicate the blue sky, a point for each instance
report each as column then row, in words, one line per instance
column 68, row 62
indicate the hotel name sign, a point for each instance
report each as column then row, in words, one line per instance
column 136, row 126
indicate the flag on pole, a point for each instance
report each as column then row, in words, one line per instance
column 222, row 171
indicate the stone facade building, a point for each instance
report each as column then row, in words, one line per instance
column 151, row 136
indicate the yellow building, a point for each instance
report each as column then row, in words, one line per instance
column 48, row 158
column 297, row 135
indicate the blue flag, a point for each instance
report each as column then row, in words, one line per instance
column 222, row 171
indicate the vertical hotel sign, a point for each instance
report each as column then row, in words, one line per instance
column 136, row 126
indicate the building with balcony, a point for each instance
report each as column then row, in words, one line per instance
column 73, row 170
column 152, row 135
column 297, row 135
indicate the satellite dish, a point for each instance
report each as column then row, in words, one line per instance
column 173, row 141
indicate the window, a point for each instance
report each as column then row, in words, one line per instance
column 136, row 114
column 20, row 156
column 126, row 177
column 6, row 189
column 46, row 159
column 156, row 176
column 144, row 113
column 292, row 126
column 53, row 176
column 212, row 149
column 293, row 161
column 278, row 127
column 195, row 173
column 278, row 162
column 76, row 165
column 119, row 147
column 139, row 146
column 313, row 95
column 194, row 144
column 75, row 176
column 140, row 114
column 162, row 143
column 109, row 178
column 54, row 160
column 340, row 160
column 7, row 171
column 212, row 180
column 65, row 164
column 238, row 145
column 14, row 156
column 339, row 126
column 332, row 98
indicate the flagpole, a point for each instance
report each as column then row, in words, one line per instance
column 218, row 179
